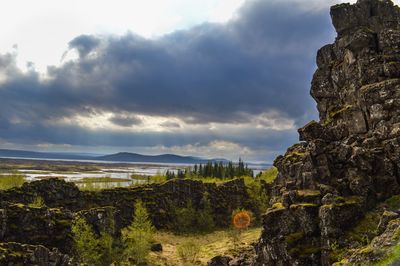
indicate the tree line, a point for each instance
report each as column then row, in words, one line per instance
column 216, row 169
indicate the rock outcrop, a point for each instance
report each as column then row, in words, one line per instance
column 349, row 160
column 49, row 226
column 33, row 255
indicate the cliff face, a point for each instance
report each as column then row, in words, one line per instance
column 349, row 160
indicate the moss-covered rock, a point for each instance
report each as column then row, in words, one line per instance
column 32, row 255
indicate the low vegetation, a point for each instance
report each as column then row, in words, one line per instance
column 11, row 180
column 37, row 202
column 188, row 252
column 208, row 246
column 392, row 257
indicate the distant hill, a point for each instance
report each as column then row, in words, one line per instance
column 117, row 157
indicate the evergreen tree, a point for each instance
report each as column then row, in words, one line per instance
column 138, row 235
column 86, row 243
column 205, row 219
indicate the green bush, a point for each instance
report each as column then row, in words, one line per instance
column 37, row 202
column 188, row 252
column 139, row 235
column 269, row 175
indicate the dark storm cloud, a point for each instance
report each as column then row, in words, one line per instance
column 84, row 44
column 170, row 124
column 262, row 61
column 125, row 120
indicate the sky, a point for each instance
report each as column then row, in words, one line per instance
column 209, row 78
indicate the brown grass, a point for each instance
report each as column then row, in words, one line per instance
column 213, row 244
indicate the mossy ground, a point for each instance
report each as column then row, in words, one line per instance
column 213, row 244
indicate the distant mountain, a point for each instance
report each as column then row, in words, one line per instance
column 163, row 158
column 117, row 157
column 43, row 155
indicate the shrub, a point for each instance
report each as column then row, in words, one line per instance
column 188, row 252
column 138, row 235
column 257, row 194
column 37, row 202
column 268, row 175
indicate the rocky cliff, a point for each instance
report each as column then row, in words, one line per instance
column 349, row 161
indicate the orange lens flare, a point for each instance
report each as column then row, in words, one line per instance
column 241, row 220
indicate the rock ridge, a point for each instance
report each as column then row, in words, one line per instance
column 348, row 161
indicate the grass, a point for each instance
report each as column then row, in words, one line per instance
column 10, row 181
column 213, row 244
column 391, row 257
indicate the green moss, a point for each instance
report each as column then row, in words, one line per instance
column 369, row 87
column 366, row 250
column 292, row 238
column 342, row 262
column 344, row 201
column 396, row 235
column 277, row 205
column 393, row 202
column 293, row 155
column 392, row 256
column 19, row 205
column 299, row 205
column 64, row 222
column 365, row 229
column 336, row 254
column 334, row 112
column 308, row 193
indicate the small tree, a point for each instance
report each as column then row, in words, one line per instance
column 185, row 219
column 205, row 219
column 138, row 235
column 86, row 243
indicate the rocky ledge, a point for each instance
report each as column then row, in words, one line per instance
column 349, row 161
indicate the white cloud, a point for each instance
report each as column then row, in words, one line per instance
column 43, row 28
column 213, row 149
